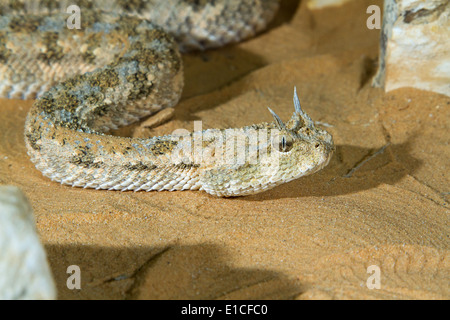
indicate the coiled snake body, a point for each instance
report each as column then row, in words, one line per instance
column 124, row 64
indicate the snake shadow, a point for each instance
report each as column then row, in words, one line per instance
column 175, row 272
column 351, row 170
column 210, row 70
column 286, row 11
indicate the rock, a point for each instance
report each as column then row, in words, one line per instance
column 24, row 271
column 415, row 46
column 320, row 4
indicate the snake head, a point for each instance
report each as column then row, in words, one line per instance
column 286, row 152
column 302, row 147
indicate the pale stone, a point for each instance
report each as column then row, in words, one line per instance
column 24, row 270
column 415, row 46
column 320, row 4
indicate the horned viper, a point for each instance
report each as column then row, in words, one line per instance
column 124, row 64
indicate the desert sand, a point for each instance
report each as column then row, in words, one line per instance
column 382, row 200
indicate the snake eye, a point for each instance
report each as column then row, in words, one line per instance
column 283, row 143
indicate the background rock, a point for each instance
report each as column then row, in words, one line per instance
column 24, row 271
column 415, row 46
column 319, row 4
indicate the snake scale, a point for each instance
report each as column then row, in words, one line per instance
column 124, row 64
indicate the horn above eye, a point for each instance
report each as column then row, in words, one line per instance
column 278, row 122
column 297, row 107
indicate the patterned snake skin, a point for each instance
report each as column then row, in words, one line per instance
column 124, row 64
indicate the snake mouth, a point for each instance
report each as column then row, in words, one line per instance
column 326, row 159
